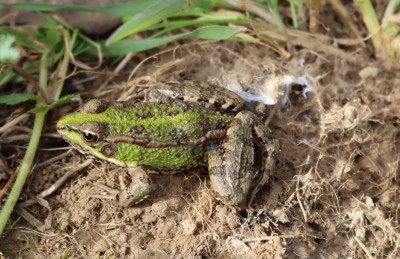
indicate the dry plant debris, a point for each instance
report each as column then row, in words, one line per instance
column 334, row 194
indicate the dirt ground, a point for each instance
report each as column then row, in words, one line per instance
column 334, row 193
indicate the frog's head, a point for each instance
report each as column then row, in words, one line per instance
column 87, row 130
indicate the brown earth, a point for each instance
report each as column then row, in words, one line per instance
column 334, row 192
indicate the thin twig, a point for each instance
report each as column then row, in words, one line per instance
column 52, row 160
column 299, row 201
column 364, row 248
column 58, row 183
column 4, row 166
column 30, row 78
column 14, row 122
column 11, row 139
column 17, row 128
column 9, row 183
column 118, row 69
column 64, row 178
column 30, row 218
column 271, row 237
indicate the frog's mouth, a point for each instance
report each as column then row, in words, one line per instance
column 62, row 128
column 71, row 135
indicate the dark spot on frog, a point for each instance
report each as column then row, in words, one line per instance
column 170, row 113
column 186, row 106
column 109, row 150
column 158, row 130
column 145, row 115
column 217, row 105
column 178, row 134
column 178, row 155
column 260, row 139
column 220, row 124
column 139, row 129
column 174, row 113
column 231, row 106
column 204, row 123
column 203, row 99
column 266, row 154
column 219, row 102
column 166, row 107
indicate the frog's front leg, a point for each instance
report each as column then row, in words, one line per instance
column 232, row 164
column 138, row 190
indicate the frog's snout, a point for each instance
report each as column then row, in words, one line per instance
column 66, row 127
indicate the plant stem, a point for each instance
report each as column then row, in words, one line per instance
column 390, row 9
column 24, row 170
column 372, row 23
column 294, row 14
column 30, row 152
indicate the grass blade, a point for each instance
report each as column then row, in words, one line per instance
column 12, row 99
column 149, row 16
column 125, row 46
column 120, row 10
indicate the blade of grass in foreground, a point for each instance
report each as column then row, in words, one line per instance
column 149, row 16
column 120, row 10
column 30, row 151
column 125, row 46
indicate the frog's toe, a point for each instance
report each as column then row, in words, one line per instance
column 112, row 193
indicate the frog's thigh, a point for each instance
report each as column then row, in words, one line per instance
column 231, row 165
column 138, row 190
column 270, row 149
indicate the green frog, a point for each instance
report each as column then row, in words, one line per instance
column 177, row 126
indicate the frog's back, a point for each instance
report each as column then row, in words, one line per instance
column 165, row 136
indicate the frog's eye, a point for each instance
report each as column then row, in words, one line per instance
column 93, row 132
column 90, row 137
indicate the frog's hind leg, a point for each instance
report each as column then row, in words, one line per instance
column 231, row 164
column 270, row 149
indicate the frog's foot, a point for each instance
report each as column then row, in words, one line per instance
column 232, row 164
column 138, row 190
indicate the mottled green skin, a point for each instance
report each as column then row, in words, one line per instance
column 177, row 126
column 175, row 121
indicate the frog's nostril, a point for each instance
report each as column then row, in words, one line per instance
column 61, row 127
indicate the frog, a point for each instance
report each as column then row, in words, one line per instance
column 177, row 126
